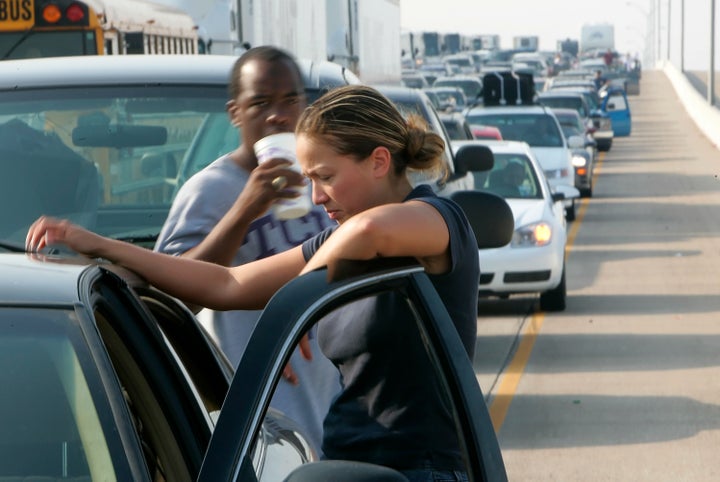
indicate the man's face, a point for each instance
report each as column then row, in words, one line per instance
column 270, row 101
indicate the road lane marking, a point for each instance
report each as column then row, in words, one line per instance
column 511, row 378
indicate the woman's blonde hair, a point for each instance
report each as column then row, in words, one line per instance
column 356, row 119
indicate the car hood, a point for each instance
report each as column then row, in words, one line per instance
column 552, row 157
column 526, row 211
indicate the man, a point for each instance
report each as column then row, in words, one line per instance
column 222, row 215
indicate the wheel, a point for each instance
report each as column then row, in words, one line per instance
column 570, row 212
column 554, row 299
column 586, row 192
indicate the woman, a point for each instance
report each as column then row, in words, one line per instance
column 355, row 147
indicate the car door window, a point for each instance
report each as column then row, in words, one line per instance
column 54, row 423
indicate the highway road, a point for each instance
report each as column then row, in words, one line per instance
column 624, row 385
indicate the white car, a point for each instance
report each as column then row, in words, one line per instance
column 538, row 126
column 534, row 260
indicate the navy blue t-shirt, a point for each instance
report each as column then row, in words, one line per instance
column 392, row 411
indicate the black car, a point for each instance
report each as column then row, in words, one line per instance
column 106, row 378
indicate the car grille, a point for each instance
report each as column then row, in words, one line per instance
column 486, row 278
column 526, row 276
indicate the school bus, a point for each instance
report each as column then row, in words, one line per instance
column 54, row 28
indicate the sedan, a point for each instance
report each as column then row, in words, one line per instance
column 534, row 260
column 583, row 159
column 106, row 378
column 536, row 125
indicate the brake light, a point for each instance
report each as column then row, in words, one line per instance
column 51, row 13
column 74, row 13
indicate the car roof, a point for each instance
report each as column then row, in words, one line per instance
column 564, row 111
column 561, row 93
column 502, row 147
column 28, row 280
column 399, row 93
column 50, row 279
column 513, row 109
column 142, row 69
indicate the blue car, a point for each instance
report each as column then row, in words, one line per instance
column 615, row 104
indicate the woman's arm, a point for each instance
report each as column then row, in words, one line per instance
column 244, row 287
column 413, row 228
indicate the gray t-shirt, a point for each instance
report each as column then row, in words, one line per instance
column 200, row 203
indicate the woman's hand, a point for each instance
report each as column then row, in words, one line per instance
column 47, row 231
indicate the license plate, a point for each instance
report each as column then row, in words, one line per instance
column 17, row 14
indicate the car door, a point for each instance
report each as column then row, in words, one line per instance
column 615, row 104
column 297, row 307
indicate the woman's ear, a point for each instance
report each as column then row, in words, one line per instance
column 381, row 161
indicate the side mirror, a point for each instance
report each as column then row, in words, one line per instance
column 561, row 192
column 473, row 157
column 489, row 215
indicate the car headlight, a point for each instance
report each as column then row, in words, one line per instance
column 579, row 161
column 605, row 123
column 536, row 234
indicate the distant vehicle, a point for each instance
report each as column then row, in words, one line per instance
column 450, row 99
column 462, row 63
column 93, row 27
column 538, row 126
column 485, row 132
column 534, row 261
column 615, row 104
column 459, row 165
column 456, row 126
column 583, row 158
column 470, row 84
column 597, row 36
column 414, row 79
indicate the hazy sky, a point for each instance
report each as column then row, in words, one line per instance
column 552, row 20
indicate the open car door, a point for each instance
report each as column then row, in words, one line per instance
column 233, row 454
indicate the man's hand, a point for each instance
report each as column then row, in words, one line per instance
column 306, row 352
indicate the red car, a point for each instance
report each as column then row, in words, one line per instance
column 485, row 132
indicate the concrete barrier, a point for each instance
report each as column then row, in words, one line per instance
column 705, row 115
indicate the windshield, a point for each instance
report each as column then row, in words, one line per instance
column 538, row 130
column 110, row 159
column 32, row 44
column 512, row 176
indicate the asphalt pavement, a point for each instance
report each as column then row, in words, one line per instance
column 624, row 385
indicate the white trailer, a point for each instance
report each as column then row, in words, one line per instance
column 597, row 36
column 216, row 21
column 362, row 35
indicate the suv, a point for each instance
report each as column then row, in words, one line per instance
column 114, row 137
column 538, row 126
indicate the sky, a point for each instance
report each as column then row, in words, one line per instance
column 553, row 20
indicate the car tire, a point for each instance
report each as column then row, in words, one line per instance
column 570, row 212
column 586, row 192
column 555, row 299
column 605, row 146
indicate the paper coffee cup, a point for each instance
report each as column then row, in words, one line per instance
column 283, row 146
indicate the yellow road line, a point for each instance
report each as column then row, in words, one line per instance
column 506, row 391
column 511, row 378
